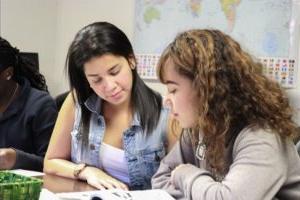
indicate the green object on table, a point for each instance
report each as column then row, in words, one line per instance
column 18, row 187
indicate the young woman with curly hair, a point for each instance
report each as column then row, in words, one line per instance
column 238, row 128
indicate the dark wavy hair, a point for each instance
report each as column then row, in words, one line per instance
column 232, row 92
column 95, row 40
column 10, row 57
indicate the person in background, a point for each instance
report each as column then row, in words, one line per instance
column 112, row 129
column 27, row 112
column 237, row 124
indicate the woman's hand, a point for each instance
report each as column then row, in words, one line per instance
column 101, row 180
column 7, row 158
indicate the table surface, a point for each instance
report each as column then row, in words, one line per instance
column 58, row 184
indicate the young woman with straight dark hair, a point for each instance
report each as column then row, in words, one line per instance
column 112, row 130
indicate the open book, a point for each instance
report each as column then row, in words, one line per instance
column 131, row 195
column 116, row 194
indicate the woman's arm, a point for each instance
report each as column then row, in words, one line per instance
column 162, row 178
column 258, row 171
column 57, row 159
column 40, row 116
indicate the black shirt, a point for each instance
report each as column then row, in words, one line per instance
column 27, row 125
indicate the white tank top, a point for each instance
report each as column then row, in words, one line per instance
column 114, row 163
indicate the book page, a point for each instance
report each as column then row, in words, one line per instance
column 131, row 195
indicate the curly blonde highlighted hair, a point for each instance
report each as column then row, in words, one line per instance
column 233, row 93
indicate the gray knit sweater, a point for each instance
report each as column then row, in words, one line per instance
column 262, row 167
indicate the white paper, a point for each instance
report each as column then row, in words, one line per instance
column 47, row 195
column 75, row 195
column 27, row 173
column 117, row 195
column 132, row 195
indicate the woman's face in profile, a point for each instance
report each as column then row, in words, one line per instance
column 110, row 77
column 181, row 97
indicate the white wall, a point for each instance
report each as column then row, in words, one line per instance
column 30, row 25
column 294, row 94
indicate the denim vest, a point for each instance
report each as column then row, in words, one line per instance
column 143, row 154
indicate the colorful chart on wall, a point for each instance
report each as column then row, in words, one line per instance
column 263, row 27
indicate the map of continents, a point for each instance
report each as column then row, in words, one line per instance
column 158, row 21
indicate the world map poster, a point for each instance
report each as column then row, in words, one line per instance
column 262, row 27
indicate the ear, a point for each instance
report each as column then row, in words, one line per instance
column 9, row 72
column 132, row 67
column 132, row 62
